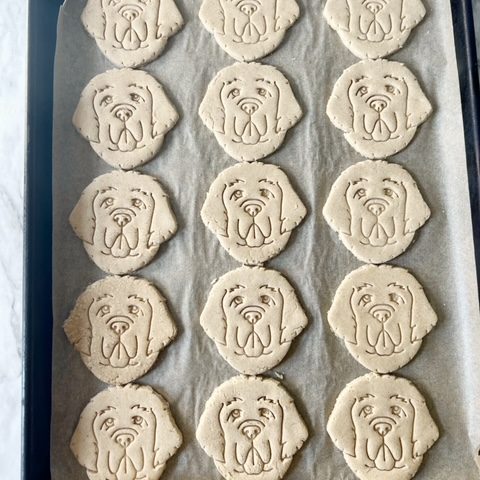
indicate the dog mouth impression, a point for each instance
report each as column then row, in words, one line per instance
column 379, row 121
column 121, row 237
column 119, row 346
column 131, row 30
column 250, row 124
column 384, row 447
column 250, row 26
column 377, row 228
column 253, row 336
column 254, row 226
column 126, row 459
column 375, row 25
column 125, row 130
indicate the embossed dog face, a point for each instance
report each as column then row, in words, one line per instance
column 119, row 325
column 252, row 209
column 122, row 218
column 376, row 208
column 251, row 429
column 374, row 28
column 378, row 105
column 248, row 29
column 249, row 107
column 253, row 315
column 131, row 33
column 124, row 114
column 382, row 314
column 125, row 433
column 383, row 427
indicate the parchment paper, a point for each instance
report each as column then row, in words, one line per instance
column 318, row 366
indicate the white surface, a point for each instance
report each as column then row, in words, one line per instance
column 12, row 103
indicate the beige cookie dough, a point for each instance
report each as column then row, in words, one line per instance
column 374, row 28
column 383, row 427
column 124, row 114
column 382, row 314
column 378, row 105
column 249, row 107
column 122, row 218
column 249, row 29
column 252, row 209
column 119, row 325
column 253, row 315
column 131, row 33
column 251, row 429
column 125, row 433
column 376, row 208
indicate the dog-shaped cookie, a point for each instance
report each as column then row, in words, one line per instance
column 119, row 325
column 122, row 219
column 374, row 28
column 249, row 107
column 378, row 105
column 253, row 315
column 251, row 428
column 248, row 29
column 376, row 208
column 383, row 427
column 382, row 314
column 252, row 209
column 125, row 115
column 131, row 33
column 125, row 433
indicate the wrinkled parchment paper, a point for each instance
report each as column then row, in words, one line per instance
column 447, row 368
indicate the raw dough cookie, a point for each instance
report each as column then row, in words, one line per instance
column 378, row 105
column 122, row 218
column 125, row 433
column 376, row 208
column 382, row 314
column 249, row 29
column 251, row 428
column 249, row 107
column 124, row 114
column 131, row 33
column 119, row 325
column 383, row 427
column 253, row 315
column 374, row 28
column 252, row 209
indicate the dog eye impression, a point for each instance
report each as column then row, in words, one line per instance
column 252, row 209
column 382, row 314
column 131, row 33
column 249, row 107
column 125, row 433
column 125, row 115
column 122, row 219
column 253, row 315
column 376, row 208
column 248, row 29
column 251, row 429
column 119, row 325
column 378, row 105
column 383, row 427
column 374, row 28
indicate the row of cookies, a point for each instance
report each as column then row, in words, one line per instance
column 381, row 423
column 120, row 323
column 250, row 426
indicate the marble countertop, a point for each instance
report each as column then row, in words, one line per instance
column 12, row 140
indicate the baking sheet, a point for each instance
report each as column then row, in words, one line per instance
column 314, row 153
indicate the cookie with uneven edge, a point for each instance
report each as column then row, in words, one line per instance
column 125, row 433
column 253, row 315
column 252, row 209
column 376, row 208
column 125, row 115
column 249, row 107
column 382, row 314
column 374, row 28
column 248, row 29
column 119, row 325
column 378, row 105
column 122, row 219
column 251, row 429
column 131, row 33
column 383, row 426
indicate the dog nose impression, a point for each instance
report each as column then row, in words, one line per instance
column 251, row 431
column 249, row 108
column 252, row 316
column 129, row 14
column 123, row 114
column 253, row 209
column 382, row 428
column 376, row 209
column 124, row 439
column 374, row 7
column 119, row 326
column 122, row 219
column 378, row 105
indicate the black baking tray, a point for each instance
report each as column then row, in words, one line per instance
column 38, row 318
